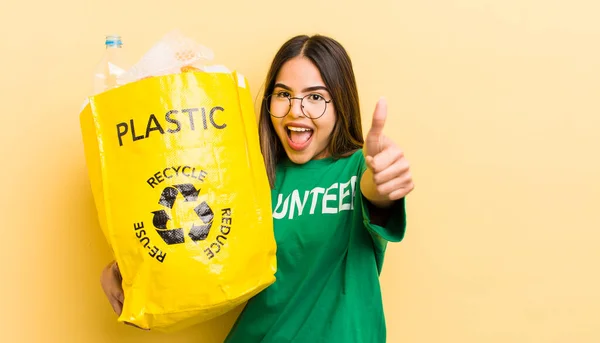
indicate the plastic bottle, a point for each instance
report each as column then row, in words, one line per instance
column 111, row 66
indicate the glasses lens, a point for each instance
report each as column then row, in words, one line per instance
column 313, row 105
column 278, row 105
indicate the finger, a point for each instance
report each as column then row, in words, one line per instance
column 116, row 305
column 397, row 169
column 393, row 185
column 117, row 280
column 111, row 285
column 118, row 294
column 402, row 192
column 379, row 116
column 386, row 158
column 117, row 272
column 369, row 161
column 116, row 297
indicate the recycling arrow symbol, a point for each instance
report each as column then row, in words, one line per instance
column 198, row 231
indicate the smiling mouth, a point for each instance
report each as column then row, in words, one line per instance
column 299, row 135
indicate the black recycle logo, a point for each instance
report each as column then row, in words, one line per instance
column 198, row 231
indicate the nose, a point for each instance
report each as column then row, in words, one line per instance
column 296, row 107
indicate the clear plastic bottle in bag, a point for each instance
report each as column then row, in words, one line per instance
column 111, row 67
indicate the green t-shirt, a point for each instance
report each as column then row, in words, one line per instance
column 329, row 257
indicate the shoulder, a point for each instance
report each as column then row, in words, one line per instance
column 354, row 158
column 356, row 154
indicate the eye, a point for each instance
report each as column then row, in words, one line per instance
column 282, row 94
column 315, row 97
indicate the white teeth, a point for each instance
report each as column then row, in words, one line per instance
column 298, row 129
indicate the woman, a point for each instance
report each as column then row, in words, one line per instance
column 336, row 203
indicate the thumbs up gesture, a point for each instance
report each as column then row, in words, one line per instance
column 388, row 176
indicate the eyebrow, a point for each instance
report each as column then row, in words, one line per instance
column 308, row 89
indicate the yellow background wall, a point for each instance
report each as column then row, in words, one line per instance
column 495, row 102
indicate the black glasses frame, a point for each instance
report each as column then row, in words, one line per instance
column 290, row 98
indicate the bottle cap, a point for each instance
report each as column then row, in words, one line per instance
column 113, row 40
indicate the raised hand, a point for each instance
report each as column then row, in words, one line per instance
column 390, row 171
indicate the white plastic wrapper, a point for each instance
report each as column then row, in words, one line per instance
column 168, row 56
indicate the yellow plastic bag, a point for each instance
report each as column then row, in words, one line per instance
column 182, row 195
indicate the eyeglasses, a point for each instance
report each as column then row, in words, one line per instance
column 313, row 105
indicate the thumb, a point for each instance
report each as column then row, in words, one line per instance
column 379, row 116
column 374, row 136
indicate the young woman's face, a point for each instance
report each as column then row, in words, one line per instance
column 305, row 131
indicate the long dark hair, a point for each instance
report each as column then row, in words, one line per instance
column 335, row 66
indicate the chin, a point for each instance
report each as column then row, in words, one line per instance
column 298, row 157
